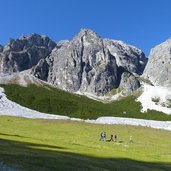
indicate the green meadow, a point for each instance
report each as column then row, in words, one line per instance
column 51, row 100
column 52, row 145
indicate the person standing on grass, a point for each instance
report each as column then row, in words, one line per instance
column 103, row 136
column 130, row 139
column 115, row 138
column 111, row 138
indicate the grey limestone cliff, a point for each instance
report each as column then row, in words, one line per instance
column 127, row 57
column 25, row 52
column 129, row 83
column 158, row 68
column 91, row 64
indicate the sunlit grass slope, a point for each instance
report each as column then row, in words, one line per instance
column 50, row 145
column 51, row 100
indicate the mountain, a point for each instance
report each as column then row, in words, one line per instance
column 91, row 64
column 157, row 96
column 158, row 69
column 102, row 69
column 23, row 53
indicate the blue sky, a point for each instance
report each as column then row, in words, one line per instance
column 142, row 23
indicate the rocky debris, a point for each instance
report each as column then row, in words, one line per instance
column 23, row 78
column 24, row 53
column 158, row 69
column 129, row 83
column 91, row 64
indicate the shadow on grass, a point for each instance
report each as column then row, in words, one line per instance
column 23, row 155
column 18, row 144
column 13, row 135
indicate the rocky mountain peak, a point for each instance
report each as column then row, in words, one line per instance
column 23, row 53
column 158, row 69
column 91, row 64
column 88, row 39
column 163, row 47
column 28, row 41
column 88, row 33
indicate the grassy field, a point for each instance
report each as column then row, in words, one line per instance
column 51, row 100
column 51, row 145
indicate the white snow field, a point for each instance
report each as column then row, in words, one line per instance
column 155, row 98
column 166, row 125
column 10, row 108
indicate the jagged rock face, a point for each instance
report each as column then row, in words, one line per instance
column 129, row 58
column 91, row 64
column 158, row 68
column 83, row 64
column 41, row 70
column 25, row 52
column 129, row 83
column 1, row 48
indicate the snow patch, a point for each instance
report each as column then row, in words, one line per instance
column 166, row 125
column 155, row 92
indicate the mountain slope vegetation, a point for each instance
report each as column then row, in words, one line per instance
column 54, row 101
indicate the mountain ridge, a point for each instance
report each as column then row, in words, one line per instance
column 102, row 69
column 23, row 53
column 91, row 64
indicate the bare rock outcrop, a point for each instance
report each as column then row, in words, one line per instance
column 91, row 64
column 158, row 69
column 24, row 53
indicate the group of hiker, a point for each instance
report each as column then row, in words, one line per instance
column 113, row 137
column 103, row 137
